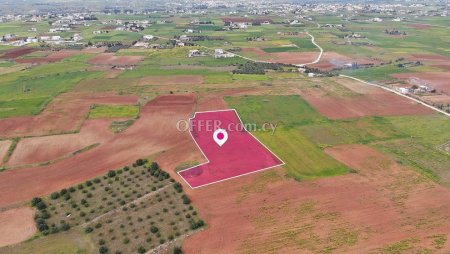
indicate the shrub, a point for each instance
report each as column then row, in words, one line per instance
column 111, row 173
column 141, row 250
column 154, row 229
column 103, row 250
column 65, row 227
column 140, row 162
column 154, row 166
column 41, row 206
column 177, row 250
column 186, row 199
column 55, row 195
column 88, row 230
column 42, row 227
column 35, row 201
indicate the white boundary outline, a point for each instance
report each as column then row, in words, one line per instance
column 207, row 160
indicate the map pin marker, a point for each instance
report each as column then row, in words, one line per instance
column 220, row 136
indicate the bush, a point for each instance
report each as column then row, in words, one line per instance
column 154, row 166
column 177, row 250
column 140, row 162
column 65, row 227
column 88, row 230
column 141, row 250
column 35, row 201
column 154, row 229
column 55, row 195
column 103, row 250
column 111, row 173
column 41, row 206
column 186, row 199
column 42, row 227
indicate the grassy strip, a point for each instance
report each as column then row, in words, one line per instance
column 11, row 149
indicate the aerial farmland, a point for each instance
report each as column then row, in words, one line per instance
column 224, row 127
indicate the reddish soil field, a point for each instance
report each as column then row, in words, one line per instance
column 111, row 59
column 94, row 50
column 17, row 52
column 48, row 148
column 154, row 132
column 17, row 225
column 64, row 114
column 433, row 60
column 241, row 154
column 4, row 145
column 171, row 80
column 381, row 103
column 53, row 57
column 382, row 204
column 439, row 99
column 439, row 80
column 113, row 73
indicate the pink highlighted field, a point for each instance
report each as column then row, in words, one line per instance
column 242, row 154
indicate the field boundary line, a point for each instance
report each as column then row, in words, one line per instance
column 396, row 92
column 207, row 160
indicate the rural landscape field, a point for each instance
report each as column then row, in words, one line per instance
column 224, row 127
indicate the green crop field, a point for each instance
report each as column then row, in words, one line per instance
column 112, row 111
column 304, row 159
column 27, row 96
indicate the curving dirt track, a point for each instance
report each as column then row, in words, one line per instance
column 328, row 61
column 382, row 204
column 64, row 114
column 17, row 225
column 155, row 131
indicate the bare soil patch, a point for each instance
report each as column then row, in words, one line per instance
column 48, row 148
column 64, row 114
column 154, row 132
column 380, row 205
column 171, row 80
column 94, row 50
column 335, row 105
column 17, row 52
column 112, row 59
column 17, row 225
column 432, row 60
column 51, row 58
